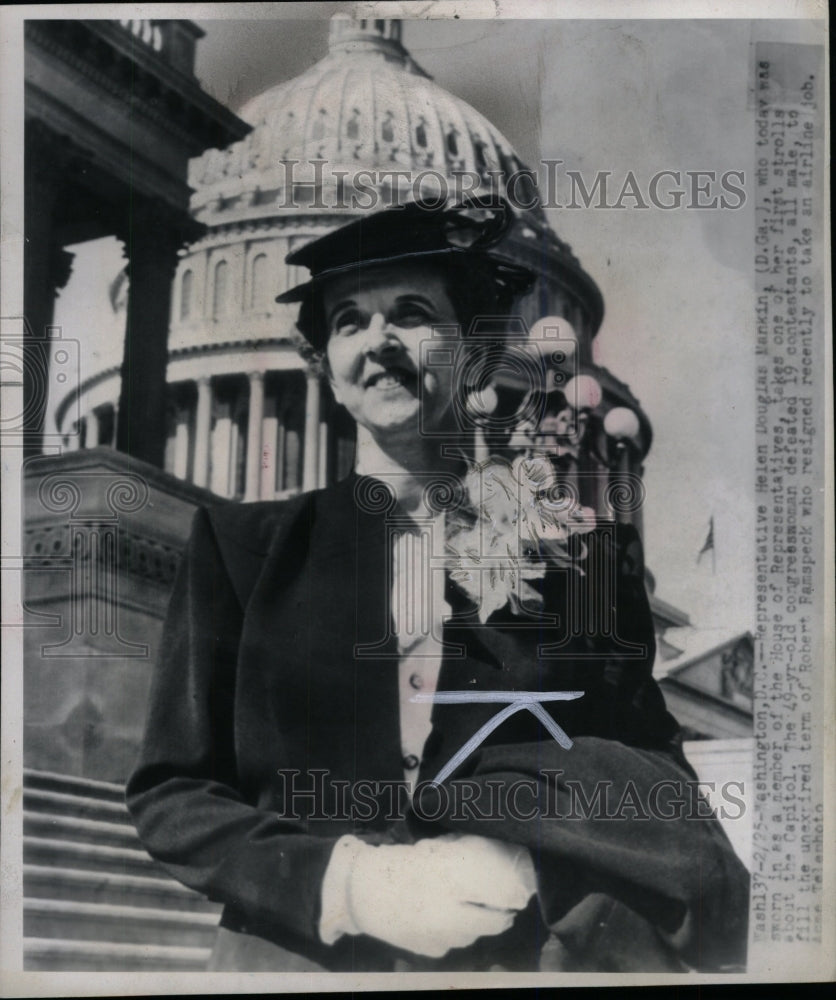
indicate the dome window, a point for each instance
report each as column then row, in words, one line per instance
column 452, row 141
column 220, row 292
column 186, row 283
column 387, row 133
column 479, row 147
column 259, row 290
column 318, row 130
column 421, row 133
column 352, row 128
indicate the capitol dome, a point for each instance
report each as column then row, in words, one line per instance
column 362, row 128
column 367, row 127
column 366, row 109
column 366, row 105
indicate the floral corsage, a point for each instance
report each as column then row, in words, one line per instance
column 516, row 521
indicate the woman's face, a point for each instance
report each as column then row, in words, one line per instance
column 376, row 326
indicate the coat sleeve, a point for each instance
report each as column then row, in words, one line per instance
column 183, row 795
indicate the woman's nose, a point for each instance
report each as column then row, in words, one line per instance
column 379, row 336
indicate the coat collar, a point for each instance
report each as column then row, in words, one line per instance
column 352, row 516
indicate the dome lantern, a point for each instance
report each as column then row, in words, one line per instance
column 382, row 34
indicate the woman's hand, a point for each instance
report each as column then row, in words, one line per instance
column 427, row 897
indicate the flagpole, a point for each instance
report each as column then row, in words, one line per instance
column 713, row 550
column 709, row 544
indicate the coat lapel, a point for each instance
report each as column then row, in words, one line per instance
column 351, row 586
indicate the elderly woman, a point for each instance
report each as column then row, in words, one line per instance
column 320, row 664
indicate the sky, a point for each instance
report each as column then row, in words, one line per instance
column 634, row 97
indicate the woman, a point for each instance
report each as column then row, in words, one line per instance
column 294, row 695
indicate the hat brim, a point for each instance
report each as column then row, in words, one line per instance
column 508, row 272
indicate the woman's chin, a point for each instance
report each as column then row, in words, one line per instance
column 399, row 421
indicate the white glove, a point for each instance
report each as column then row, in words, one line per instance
column 427, row 897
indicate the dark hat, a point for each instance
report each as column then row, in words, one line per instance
column 472, row 226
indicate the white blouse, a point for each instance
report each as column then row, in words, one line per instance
column 418, row 613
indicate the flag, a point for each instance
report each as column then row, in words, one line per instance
column 708, row 544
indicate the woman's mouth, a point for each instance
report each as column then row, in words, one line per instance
column 390, row 378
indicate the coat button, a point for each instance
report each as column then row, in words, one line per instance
column 416, row 681
column 410, row 761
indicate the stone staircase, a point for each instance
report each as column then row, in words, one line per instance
column 93, row 898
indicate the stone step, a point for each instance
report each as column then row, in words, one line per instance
column 68, row 920
column 104, row 887
column 69, row 784
column 85, row 831
column 54, row 853
column 36, row 800
column 48, row 955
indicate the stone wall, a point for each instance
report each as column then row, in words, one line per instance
column 102, row 540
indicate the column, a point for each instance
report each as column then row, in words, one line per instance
column 202, row 432
column 291, row 446
column 255, row 419
column 235, row 445
column 269, row 445
column 311, row 456
column 152, row 242
column 181, row 444
column 46, row 269
column 281, row 451
column 222, row 451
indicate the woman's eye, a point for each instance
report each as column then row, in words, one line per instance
column 410, row 316
column 345, row 323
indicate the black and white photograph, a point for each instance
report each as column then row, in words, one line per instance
column 417, row 496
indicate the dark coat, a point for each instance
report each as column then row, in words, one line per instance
column 259, row 677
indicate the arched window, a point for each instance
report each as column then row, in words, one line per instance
column 352, row 127
column 318, row 130
column 259, row 285
column 186, row 294
column 421, row 133
column 387, row 132
column 220, row 294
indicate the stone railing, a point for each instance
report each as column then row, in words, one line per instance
column 173, row 41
